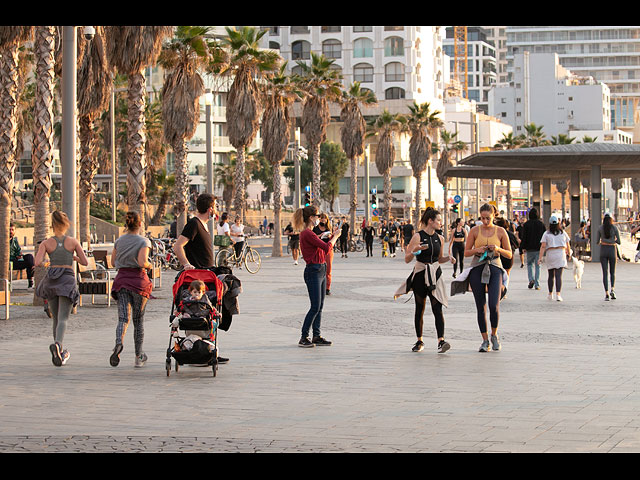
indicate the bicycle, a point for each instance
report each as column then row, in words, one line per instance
column 249, row 256
column 355, row 245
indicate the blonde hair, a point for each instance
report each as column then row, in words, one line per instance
column 301, row 217
column 324, row 217
column 60, row 220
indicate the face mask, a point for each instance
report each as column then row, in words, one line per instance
column 316, row 222
column 322, row 224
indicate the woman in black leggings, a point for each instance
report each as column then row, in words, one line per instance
column 368, row 233
column 609, row 237
column 456, row 247
column 426, row 247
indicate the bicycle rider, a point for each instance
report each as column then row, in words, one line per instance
column 237, row 236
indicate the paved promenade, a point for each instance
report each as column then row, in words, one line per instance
column 566, row 379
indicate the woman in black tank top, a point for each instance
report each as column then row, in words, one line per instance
column 426, row 247
column 456, row 246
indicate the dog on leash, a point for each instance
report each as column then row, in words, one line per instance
column 578, row 270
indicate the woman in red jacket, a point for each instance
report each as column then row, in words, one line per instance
column 314, row 252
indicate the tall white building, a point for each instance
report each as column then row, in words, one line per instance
column 610, row 54
column 541, row 91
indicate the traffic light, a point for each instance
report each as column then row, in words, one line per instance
column 374, row 198
column 307, row 196
column 454, row 208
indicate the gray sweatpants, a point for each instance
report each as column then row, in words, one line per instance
column 60, row 308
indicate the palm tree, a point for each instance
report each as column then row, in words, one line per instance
column 448, row 148
column 534, row 136
column 353, row 134
column 508, row 142
column 247, row 62
column 279, row 93
column 635, row 186
column 183, row 57
column 11, row 37
column 94, row 94
column 131, row 48
column 322, row 84
column 616, row 185
column 422, row 124
column 385, row 127
column 165, row 183
column 225, row 178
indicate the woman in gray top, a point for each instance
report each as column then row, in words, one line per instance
column 609, row 237
column 59, row 286
column 131, row 287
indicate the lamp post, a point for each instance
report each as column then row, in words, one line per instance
column 296, row 165
column 69, row 120
column 208, row 101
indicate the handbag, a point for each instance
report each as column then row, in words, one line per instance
column 221, row 240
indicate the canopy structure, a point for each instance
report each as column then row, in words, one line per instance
column 555, row 162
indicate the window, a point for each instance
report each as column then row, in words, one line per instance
column 301, row 50
column 332, row 49
column 334, row 29
column 295, row 30
column 393, row 93
column 393, row 29
column 362, row 29
column 363, row 72
column 393, row 47
column 362, row 47
column 394, row 72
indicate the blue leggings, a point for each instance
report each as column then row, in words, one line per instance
column 480, row 295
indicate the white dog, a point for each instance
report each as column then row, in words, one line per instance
column 578, row 270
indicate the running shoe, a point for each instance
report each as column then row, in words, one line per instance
column 223, row 360
column 321, row 342
column 531, row 285
column 550, row 297
column 559, row 297
column 606, row 297
column 114, row 359
column 418, row 347
column 141, row 360
column 443, row 346
column 305, row 343
column 612, row 295
column 495, row 343
column 65, row 355
column 485, row 347
column 56, row 354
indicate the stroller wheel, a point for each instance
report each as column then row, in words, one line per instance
column 168, row 367
column 215, row 369
column 177, row 365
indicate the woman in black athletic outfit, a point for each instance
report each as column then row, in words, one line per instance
column 456, row 247
column 426, row 279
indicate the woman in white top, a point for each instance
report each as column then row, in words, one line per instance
column 557, row 245
column 237, row 235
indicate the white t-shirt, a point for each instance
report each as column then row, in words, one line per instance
column 235, row 231
column 224, row 229
column 552, row 241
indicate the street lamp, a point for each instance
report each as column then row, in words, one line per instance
column 208, row 101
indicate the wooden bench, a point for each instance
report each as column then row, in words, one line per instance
column 5, row 298
column 94, row 279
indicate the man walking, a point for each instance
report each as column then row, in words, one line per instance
column 532, row 232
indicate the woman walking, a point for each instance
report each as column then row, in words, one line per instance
column 458, row 236
column 131, row 287
column 236, row 231
column 59, row 287
column 368, row 232
column 609, row 237
column 314, row 253
column 556, row 243
column 323, row 230
column 486, row 243
column 426, row 246
column 294, row 242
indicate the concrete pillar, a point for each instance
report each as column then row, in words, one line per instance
column 574, row 192
column 546, row 200
column 596, row 209
column 536, row 197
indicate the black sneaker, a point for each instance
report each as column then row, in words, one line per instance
column 114, row 359
column 418, row 347
column 321, row 342
column 606, row 297
column 443, row 346
column 612, row 295
column 305, row 343
column 328, row 292
column 223, row 360
column 531, row 285
column 56, row 354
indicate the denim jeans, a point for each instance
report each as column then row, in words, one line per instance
column 532, row 261
column 315, row 276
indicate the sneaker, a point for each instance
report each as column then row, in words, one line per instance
column 418, row 347
column 454, row 274
column 65, row 355
column 443, row 346
column 114, row 359
column 296, row 262
column 321, row 342
column 328, row 292
column 495, row 343
column 612, row 295
column 305, row 343
column 550, row 296
column 606, row 297
column 559, row 297
column 223, row 360
column 56, row 354
column 141, row 360
column 530, row 285
column 537, row 287
column 485, row 347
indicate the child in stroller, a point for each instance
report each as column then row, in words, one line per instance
column 197, row 303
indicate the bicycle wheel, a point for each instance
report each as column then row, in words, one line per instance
column 351, row 246
column 225, row 257
column 252, row 261
column 359, row 246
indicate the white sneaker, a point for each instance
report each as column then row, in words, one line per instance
column 141, row 360
column 550, row 297
column 296, row 262
column 559, row 297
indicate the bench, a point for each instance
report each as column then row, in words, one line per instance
column 5, row 298
column 94, row 279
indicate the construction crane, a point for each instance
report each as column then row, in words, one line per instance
column 461, row 59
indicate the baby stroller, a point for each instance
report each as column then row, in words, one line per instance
column 199, row 344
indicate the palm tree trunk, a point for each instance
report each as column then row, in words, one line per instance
column 181, row 200
column 276, row 251
column 136, row 139
column 88, row 169
column 510, row 200
column 42, row 150
column 8, row 132
column 445, row 210
column 354, row 193
column 416, row 212
column 239, row 199
column 387, row 195
column 315, row 189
